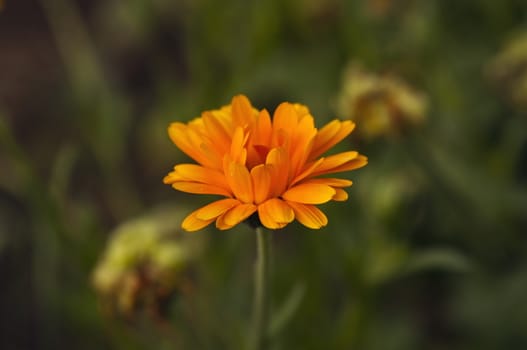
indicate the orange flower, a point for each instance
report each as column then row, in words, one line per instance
column 261, row 165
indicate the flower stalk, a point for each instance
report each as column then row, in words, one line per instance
column 261, row 294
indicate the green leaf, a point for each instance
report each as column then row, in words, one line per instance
column 445, row 259
column 283, row 315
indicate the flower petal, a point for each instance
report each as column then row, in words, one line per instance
column 334, row 161
column 260, row 139
column 172, row 177
column 198, row 188
column 213, row 155
column 353, row 164
column 285, row 117
column 262, row 129
column 192, row 223
column 238, row 152
column 242, row 111
column 275, row 213
column 308, row 170
column 187, row 140
column 261, row 178
column 309, row 215
column 333, row 182
column 197, row 173
column 340, row 195
column 240, row 182
column 215, row 209
column 310, row 194
column 301, row 144
column 280, row 170
column 235, row 215
column 216, row 131
column 330, row 135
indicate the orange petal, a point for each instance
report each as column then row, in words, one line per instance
column 280, row 138
column 334, row 161
column 178, row 134
column 285, row 117
column 308, row 170
column 197, row 173
column 173, row 177
column 309, row 194
column 216, row 132
column 353, row 164
column 215, row 209
column 309, row 215
column 301, row 110
column 238, row 152
column 262, row 129
column 260, row 139
column 261, row 178
column 224, row 117
column 329, row 181
column 198, row 188
column 242, row 111
column 256, row 155
column 301, row 144
column 240, row 182
column 277, row 157
column 235, row 215
column 187, row 139
column 192, row 223
column 275, row 213
column 340, row 195
column 330, row 135
column 212, row 154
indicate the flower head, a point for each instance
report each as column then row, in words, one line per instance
column 508, row 71
column 269, row 166
column 383, row 105
column 145, row 262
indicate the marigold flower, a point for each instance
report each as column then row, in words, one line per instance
column 271, row 167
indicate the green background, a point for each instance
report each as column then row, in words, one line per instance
column 427, row 253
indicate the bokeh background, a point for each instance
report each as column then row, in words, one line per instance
column 428, row 252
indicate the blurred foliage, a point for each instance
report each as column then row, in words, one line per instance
column 429, row 251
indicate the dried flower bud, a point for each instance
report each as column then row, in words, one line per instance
column 508, row 71
column 381, row 105
column 145, row 262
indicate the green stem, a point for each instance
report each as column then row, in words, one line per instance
column 261, row 297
